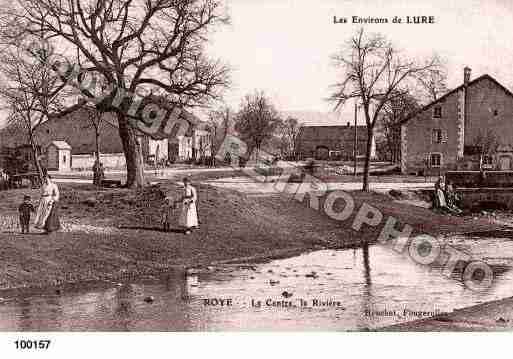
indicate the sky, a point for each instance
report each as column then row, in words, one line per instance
column 283, row 47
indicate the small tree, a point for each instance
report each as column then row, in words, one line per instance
column 29, row 90
column 373, row 73
column 394, row 112
column 95, row 121
column 433, row 83
column 219, row 122
column 256, row 120
column 288, row 132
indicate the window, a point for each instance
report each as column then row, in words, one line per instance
column 495, row 113
column 64, row 159
column 437, row 112
column 487, row 160
column 435, row 160
column 437, row 135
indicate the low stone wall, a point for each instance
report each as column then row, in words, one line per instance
column 109, row 160
column 476, row 179
column 486, row 197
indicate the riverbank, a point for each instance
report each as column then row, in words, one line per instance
column 491, row 316
column 115, row 234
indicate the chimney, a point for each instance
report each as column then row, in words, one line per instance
column 466, row 75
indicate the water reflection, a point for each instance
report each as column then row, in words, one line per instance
column 364, row 280
column 367, row 288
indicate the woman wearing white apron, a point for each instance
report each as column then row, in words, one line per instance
column 47, row 216
column 188, row 216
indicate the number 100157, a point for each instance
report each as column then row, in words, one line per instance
column 32, row 344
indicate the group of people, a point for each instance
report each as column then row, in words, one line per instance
column 445, row 197
column 47, row 212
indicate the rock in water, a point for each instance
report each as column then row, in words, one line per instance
column 149, row 299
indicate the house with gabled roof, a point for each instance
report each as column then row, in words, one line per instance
column 332, row 142
column 469, row 128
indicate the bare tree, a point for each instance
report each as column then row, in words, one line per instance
column 220, row 122
column 95, row 122
column 143, row 47
column 30, row 91
column 433, row 83
column 256, row 120
column 373, row 73
column 394, row 112
column 288, row 132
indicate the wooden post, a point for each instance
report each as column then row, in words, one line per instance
column 355, row 137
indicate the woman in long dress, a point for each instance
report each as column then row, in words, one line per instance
column 47, row 214
column 188, row 215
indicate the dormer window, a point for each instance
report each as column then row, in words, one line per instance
column 437, row 112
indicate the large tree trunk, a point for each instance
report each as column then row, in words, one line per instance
column 97, row 135
column 366, row 167
column 35, row 154
column 133, row 154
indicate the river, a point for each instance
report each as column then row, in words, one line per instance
column 326, row 290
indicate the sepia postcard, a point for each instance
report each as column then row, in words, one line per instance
column 244, row 166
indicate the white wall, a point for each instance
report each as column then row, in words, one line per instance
column 52, row 158
column 64, row 160
column 86, row 162
column 162, row 145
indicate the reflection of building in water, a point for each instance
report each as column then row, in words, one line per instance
column 31, row 317
column 188, row 284
column 124, row 306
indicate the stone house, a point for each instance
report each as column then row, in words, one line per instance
column 332, row 142
column 468, row 128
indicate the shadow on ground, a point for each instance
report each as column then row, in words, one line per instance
column 154, row 229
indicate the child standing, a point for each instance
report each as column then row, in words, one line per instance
column 168, row 210
column 25, row 208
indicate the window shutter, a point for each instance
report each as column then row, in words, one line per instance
column 444, row 136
